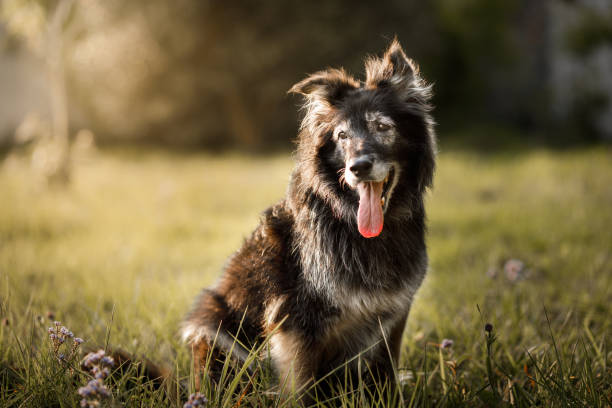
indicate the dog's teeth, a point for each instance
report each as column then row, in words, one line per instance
column 387, row 178
column 382, row 202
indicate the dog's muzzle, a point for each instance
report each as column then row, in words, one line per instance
column 373, row 181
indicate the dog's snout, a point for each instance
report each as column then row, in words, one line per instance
column 361, row 166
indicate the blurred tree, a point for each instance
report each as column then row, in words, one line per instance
column 593, row 31
column 43, row 26
column 198, row 72
column 581, row 80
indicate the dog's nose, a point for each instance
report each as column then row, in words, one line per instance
column 361, row 166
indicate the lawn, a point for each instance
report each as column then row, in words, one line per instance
column 119, row 254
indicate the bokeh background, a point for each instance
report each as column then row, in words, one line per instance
column 213, row 75
column 141, row 139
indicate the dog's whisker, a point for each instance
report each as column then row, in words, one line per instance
column 343, row 182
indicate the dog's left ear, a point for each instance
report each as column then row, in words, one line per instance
column 394, row 69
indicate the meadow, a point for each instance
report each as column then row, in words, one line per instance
column 119, row 254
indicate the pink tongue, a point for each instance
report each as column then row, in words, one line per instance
column 370, row 214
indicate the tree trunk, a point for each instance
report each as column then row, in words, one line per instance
column 57, row 91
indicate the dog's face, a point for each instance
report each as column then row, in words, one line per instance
column 365, row 141
column 372, row 143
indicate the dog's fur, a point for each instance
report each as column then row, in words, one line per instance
column 306, row 276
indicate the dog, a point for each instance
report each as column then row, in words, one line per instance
column 331, row 271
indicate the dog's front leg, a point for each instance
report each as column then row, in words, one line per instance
column 384, row 363
column 295, row 363
column 395, row 339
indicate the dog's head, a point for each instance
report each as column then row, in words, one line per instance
column 368, row 148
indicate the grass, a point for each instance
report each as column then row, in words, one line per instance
column 119, row 255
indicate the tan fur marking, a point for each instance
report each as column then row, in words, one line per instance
column 199, row 352
column 291, row 359
column 271, row 312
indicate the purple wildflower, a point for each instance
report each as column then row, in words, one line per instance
column 64, row 354
column 66, row 332
column 98, row 364
column 488, row 327
column 93, row 392
column 196, row 400
column 93, row 361
column 447, row 343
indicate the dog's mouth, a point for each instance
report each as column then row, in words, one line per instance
column 373, row 202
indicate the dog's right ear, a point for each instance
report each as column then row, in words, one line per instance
column 329, row 86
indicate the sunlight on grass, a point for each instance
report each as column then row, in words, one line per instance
column 137, row 235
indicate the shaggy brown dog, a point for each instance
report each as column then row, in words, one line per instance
column 338, row 261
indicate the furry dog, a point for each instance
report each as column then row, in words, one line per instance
column 331, row 270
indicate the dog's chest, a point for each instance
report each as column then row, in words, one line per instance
column 365, row 317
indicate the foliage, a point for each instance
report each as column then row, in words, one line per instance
column 593, row 31
column 200, row 73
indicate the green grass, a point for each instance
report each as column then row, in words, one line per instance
column 119, row 255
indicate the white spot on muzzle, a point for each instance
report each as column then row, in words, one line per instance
column 380, row 171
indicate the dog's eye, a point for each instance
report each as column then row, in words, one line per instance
column 382, row 127
column 342, row 134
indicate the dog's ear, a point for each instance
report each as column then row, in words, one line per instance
column 329, row 86
column 394, row 69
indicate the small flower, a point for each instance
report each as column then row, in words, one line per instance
column 63, row 351
column 488, row 327
column 196, row 400
column 50, row 315
column 107, row 361
column 447, row 343
column 93, row 392
column 6, row 322
column 97, row 363
column 93, row 358
column 515, row 270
